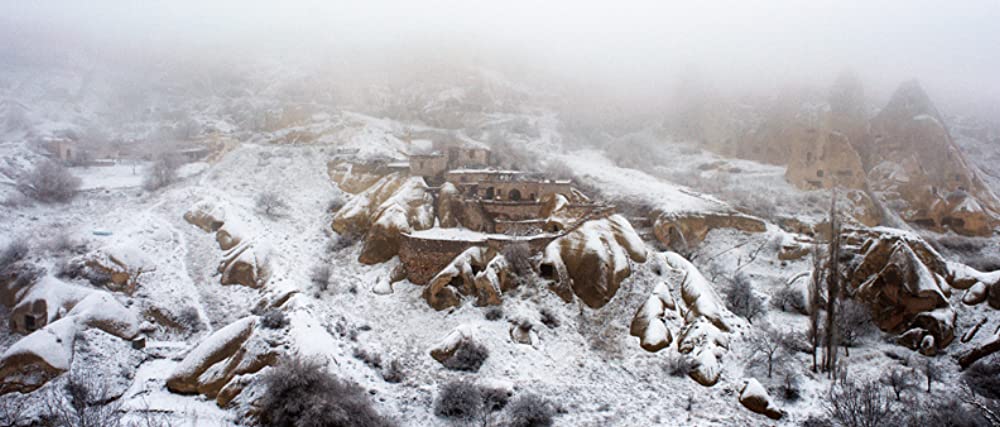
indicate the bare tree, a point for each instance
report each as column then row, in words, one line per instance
column 932, row 372
column 854, row 321
column 49, row 182
column 271, row 204
column 860, row 405
column 815, row 290
column 832, row 292
column 899, row 380
column 768, row 349
column 162, row 172
column 740, row 298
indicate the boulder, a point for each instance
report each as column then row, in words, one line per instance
column 444, row 349
column 122, row 263
column 698, row 294
column 705, row 345
column 218, row 366
column 245, row 264
column 976, row 294
column 457, row 279
column 596, row 258
column 649, row 323
column 755, row 398
column 39, row 357
column 206, row 215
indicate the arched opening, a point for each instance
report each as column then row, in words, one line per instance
column 490, row 193
column 514, row 195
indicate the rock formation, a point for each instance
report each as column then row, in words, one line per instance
column 903, row 282
column 354, row 177
column 754, row 397
column 395, row 204
column 244, row 261
column 217, row 366
column 593, row 259
column 684, row 230
column 702, row 323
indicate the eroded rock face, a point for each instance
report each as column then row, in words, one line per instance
column 595, row 258
column 822, row 157
column 355, row 177
column 902, row 280
column 395, row 204
column 684, row 230
column 244, row 261
column 52, row 313
column 919, row 171
column 123, row 264
column 703, row 331
column 215, row 366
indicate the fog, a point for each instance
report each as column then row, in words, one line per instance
column 632, row 51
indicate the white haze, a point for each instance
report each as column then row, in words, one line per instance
column 630, row 49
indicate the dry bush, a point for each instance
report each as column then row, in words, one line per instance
column 461, row 400
column 494, row 313
column 530, row 410
column 860, row 405
column 549, row 318
column 741, row 299
column 678, row 365
column 372, row 359
column 393, row 373
column 301, row 392
column 518, row 256
column 274, row 319
column 82, row 402
column 49, row 182
column 854, row 322
column 320, row 277
column 469, row 356
column 983, row 377
column 162, row 172
column 13, row 252
column 899, row 380
column 271, row 204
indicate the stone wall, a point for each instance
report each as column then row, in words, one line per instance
column 429, row 165
column 424, row 258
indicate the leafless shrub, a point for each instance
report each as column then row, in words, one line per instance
column 788, row 299
column 789, row 388
column 854, row 322
column 460, row 400
column 49, row 182
column 301, row 392
column 899, row 380
column 548, row 318
column 373, row 360
column 320, row 277
column 678, row 365
column 860, row 405
column 274, row 319
column 190, row 318
column 12, row 407
column 393, row 373
column 518, row 255
column 162, row 172
column 950, row 412
column 494, row 313
column 14, row 252
column 530, row 410
column 469, row 356
column 16, row 201
column 82, row 403
column 270, row 204
column 741, row 299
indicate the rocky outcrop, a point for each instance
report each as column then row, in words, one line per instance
column 650, row 322
column 355, row 177
column 52, row 313
column 122, row 264
column 593, row 259
column 684, row 230
column 754, row 397
column 903, row 282
column 215, row 366
column 395, row 204
column 822, row 157
column 702, row 323
column 244, row 261
column 916, row 168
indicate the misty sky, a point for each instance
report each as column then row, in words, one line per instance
column 952, row 47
